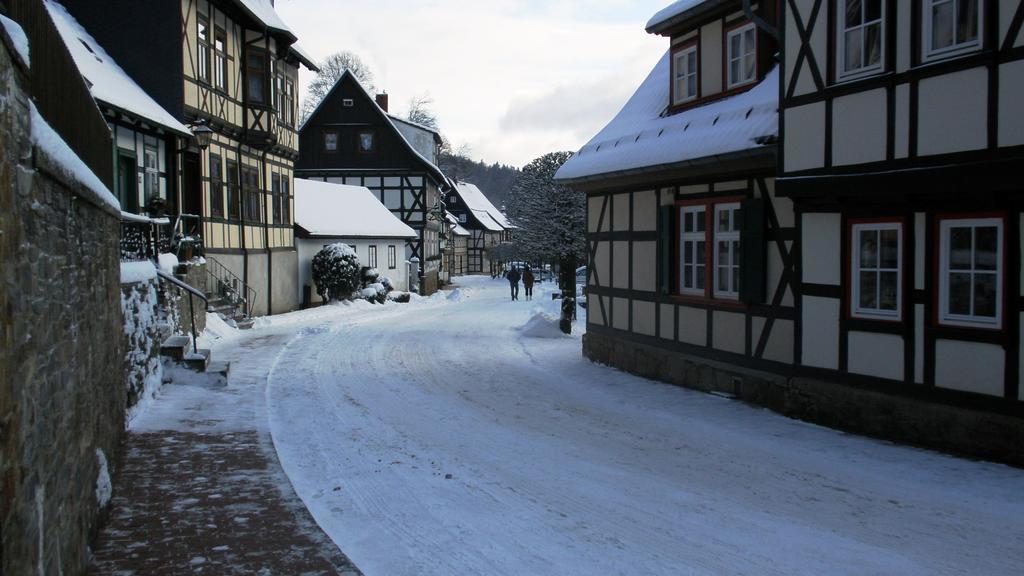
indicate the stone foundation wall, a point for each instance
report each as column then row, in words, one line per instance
column 909, row 420
column 62, row 400
column 142, row 336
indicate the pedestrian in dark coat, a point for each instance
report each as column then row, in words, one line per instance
column 513, row 282
column 528, row 282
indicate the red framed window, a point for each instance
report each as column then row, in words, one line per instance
column 709, row 249
column 741, row 55
column 685, row 73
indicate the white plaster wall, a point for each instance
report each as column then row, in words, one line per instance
column 879, row 355
column 820, row 332
column 969, row 366
column 668, row 321
column 859, row 128
column 693, row 326
column 643, row 318
column 730, row 332
column 308, row 248
column 645, row 211
column 732, row 185
column 902, row 132
column 645, row 266
column 1011, row 95
column 694, row 189
column 953, row 112
column 594, row 204
column 1007, row 8
column 601, row 273
column 620, row 211
column 780, row 341
column 805, row 137
column 620, row 267
column 711, row 58
column 821, row 248
column 620, row 313
column 775, row 270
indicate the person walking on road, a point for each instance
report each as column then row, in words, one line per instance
column 513, row 282
column 528, row 282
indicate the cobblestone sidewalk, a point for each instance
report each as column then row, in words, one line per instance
column 200, row 489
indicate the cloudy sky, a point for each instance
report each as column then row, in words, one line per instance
column 514, row 79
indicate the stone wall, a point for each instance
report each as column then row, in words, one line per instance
column 61, row 390
column 142, row 335
column 910, row 420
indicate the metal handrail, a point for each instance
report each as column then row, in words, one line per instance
column 192, row 293
column 241, row 293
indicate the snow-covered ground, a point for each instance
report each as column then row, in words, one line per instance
column 455, row 435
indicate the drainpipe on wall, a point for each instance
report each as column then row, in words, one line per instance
column 266, row 233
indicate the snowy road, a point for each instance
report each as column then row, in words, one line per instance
column 435, row 438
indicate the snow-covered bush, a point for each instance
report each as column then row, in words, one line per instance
column 370, row 276
column 375, row 293
column 387, row 283
column 336, row 272
column 400, row 297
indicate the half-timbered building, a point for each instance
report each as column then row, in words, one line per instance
column 146, row 136
column 231, row 65
column 689, row 245
column 350, row 139
column 486, row 225
column 903, row 142
column 457, row 249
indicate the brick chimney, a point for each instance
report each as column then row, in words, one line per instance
column 382, row 101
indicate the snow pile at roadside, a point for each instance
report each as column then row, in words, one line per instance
column 104, row 488
column 455, row 295
column 17, row 35
column 135, row 272
column 542, row 325
column 168, row 262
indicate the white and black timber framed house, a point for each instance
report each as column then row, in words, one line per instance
column 350, row 139
column 233, row 66
column 903, row 144
column 486, row 225
column 689, row 245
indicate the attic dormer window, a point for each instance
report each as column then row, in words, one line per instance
column 684, row 74
column 741, row 43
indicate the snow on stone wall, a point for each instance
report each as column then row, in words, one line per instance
column 142, row 329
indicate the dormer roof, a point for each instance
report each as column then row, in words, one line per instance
column 682, row 12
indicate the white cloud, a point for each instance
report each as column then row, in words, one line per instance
column 513, row 78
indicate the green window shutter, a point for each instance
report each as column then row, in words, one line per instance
column 753, row 247
column 666, row 243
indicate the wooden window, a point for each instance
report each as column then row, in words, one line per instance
column 392, row 257
column 216, row 186
column 288, row 103
column 741, row 47
column 367, row 142
column 256, row 75
column 371, row 259
column 252, row 193
column 951, row 27
column 727, row 251
column 275, row 191
column 203, row 50
column 151, row 179
column 971, row 272
column 220, row 60
column 684, row 74
column 693, row 250
column 462, row 218
column 453, row 199
column 876, row 277
column 234, row 195
column 330, row 141
column 861, row 37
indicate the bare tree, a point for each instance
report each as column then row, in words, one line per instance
column 420, row 111
column 331, row 70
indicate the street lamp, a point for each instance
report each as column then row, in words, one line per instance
column 203, row 134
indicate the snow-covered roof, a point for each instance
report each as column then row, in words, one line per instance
column 18, row 38
column 680, row 11
column 108, row 82
column 641, row 136
column 263, row 11
column 489, row 216
column 336, row 210
column 456, row 227
column 304, row 57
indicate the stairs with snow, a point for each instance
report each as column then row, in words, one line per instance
column 179, row 349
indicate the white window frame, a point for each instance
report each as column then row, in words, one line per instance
column 733, row 237
column 841, row 30
column 679, row 59
column 955, row 49
column 371, row 256
column 695, row 237
column 971, row 321
column 855, row 269
column 729, row 57
column 392, row 257
column 151, row 173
